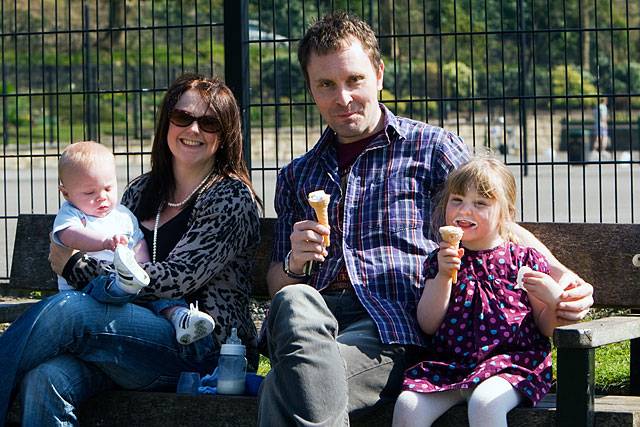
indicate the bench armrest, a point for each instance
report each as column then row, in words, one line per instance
column 576, row 345
column 596, row 333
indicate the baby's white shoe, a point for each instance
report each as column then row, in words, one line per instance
column 191, row 324
column 130, row 276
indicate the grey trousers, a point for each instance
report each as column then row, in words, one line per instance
column 327, row 360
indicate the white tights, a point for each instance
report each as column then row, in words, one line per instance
column 488, row 404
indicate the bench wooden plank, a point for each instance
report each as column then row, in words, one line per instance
column 601, row 253
column 9, row 311
column 263, row 257
column 154, row 409
column 579, row 246
column 597, row 333
column 30, row 266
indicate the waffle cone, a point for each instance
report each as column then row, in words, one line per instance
column 320, row 204
column 452, row 235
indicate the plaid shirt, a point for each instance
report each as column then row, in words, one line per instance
column 385, row 235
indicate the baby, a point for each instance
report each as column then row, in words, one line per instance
column 91, row 220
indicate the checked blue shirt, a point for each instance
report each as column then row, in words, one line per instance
column 385, row 235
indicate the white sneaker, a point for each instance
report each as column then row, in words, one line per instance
column 191, row 324
column 131, row 277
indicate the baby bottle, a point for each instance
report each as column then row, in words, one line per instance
column 232, row 366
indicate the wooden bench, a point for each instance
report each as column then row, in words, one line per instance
column 601, row 253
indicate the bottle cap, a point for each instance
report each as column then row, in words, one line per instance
column 233, row 345
column 233, row 338
column 232, row 349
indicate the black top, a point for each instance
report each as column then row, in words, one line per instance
column 169, row 234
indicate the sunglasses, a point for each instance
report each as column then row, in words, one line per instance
column 184, row 118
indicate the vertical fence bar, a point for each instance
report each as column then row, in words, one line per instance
column 236, row 62
column 522, row 86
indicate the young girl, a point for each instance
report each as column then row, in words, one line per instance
column 489, row 337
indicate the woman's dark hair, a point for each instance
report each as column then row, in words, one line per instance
column 229, row 160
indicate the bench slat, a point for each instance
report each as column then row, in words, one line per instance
column 30, row 267
column 597, row 333
column 600, row 253
column 143, row 409
column 10, row 311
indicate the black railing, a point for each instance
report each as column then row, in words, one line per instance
column 521, row 77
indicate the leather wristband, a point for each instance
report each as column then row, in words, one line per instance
column 287, row 270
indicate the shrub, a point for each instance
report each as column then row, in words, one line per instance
column 567, row 81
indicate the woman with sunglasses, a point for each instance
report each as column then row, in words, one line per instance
column 200, row 217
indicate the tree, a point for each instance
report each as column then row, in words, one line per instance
column 117, row 10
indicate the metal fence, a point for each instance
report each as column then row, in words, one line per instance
column 524, row 78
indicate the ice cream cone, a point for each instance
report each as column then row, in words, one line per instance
column 319, row 201
column 452, row 235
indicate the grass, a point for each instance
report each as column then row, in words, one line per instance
column 612, row 368
column 264, row 366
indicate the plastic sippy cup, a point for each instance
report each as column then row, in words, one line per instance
column 232, row 366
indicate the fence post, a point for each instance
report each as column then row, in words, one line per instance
column 236, row 63
column 522, row 88
column 88, row 82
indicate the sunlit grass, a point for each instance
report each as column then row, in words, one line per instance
column 264, row 366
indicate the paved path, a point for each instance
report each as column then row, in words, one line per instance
column 563, row 193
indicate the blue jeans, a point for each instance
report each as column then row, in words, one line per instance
column 105, row 289
column 69, row 347
column 327, row 360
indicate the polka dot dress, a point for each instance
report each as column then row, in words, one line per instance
column 488, row 329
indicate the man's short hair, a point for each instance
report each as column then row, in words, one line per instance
column 332, row 33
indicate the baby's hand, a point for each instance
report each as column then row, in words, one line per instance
column 543, row 287
column 449, row 259
column 111, row 243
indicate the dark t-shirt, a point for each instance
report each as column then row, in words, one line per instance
column 169, row 234
column 347, row 155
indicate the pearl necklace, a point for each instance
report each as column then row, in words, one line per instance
column 180, row 204
column 173, row 205
column 155, row 233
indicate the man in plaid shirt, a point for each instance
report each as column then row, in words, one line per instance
column 341, row 334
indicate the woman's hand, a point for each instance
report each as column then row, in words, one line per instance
column 449, row 259
column 59, row 255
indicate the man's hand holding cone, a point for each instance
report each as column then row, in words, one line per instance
column 319, row 201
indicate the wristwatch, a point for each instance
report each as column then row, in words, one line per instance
column 288, row 272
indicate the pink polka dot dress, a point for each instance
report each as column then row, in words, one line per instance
column 488, row 329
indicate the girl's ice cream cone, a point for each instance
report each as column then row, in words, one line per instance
column 452, row 235
column 319, row 201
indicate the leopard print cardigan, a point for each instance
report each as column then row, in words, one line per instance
column 211, row 264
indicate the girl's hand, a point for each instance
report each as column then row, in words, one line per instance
column 449, row 259
column 543, row 287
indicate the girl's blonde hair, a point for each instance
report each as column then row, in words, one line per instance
column 493, row 180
